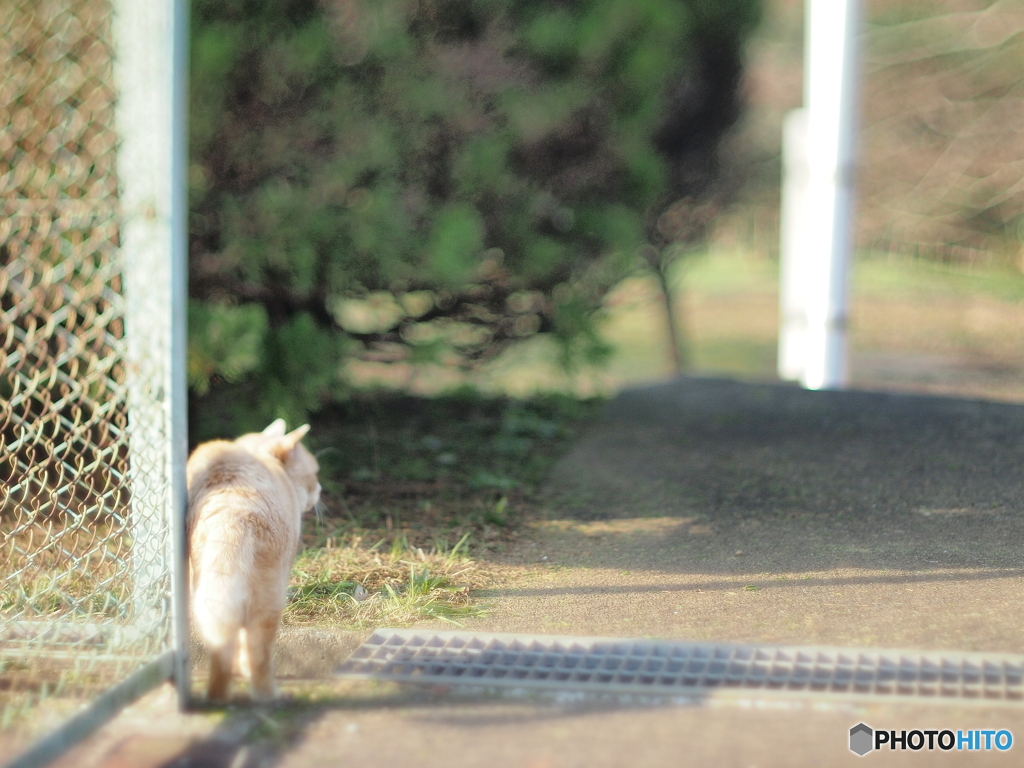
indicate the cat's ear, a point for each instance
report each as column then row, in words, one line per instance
column 276, row 429
column 281, row 446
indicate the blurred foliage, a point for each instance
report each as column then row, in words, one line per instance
column 432, row 181
column 463, row 441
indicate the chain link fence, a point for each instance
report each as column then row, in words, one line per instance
column 86, row 529
column 940, row 163
column 941, row 140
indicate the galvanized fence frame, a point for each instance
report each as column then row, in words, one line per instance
column 92, row 356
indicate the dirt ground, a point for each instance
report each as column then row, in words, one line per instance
column 700, row 509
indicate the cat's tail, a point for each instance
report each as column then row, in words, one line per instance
column 220, row 595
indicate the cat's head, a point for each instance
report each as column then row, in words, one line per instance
column 300, row 465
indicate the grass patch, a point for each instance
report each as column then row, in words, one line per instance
column 416, row 492
column 924, row 279
column 424, row 473
column 359, row 586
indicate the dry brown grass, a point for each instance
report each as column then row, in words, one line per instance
column 60, row 570
column 345, row 582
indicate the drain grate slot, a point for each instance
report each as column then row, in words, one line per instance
column 680, row 668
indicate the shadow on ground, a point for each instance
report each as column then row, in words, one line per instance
column 714, row 510
column 792, row 480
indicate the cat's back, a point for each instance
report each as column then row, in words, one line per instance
column 229, row 484
column 223, row 464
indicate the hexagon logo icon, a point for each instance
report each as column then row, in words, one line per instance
column 861, row 738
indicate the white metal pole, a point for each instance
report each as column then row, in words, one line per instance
column 177, row 445
column 792, row 270
column 150, row 70
column 830, row 82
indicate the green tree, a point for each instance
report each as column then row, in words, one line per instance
column 472, row 172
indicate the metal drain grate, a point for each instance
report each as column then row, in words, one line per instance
column 680, row 669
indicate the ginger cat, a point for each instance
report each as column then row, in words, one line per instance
column 245, row 505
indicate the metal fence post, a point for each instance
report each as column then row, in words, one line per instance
column 830, row 93
column 178, row 443
column 151, row 73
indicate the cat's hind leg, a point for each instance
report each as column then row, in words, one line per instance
column 259, row 644
column 217, row 616
column 221, row 658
